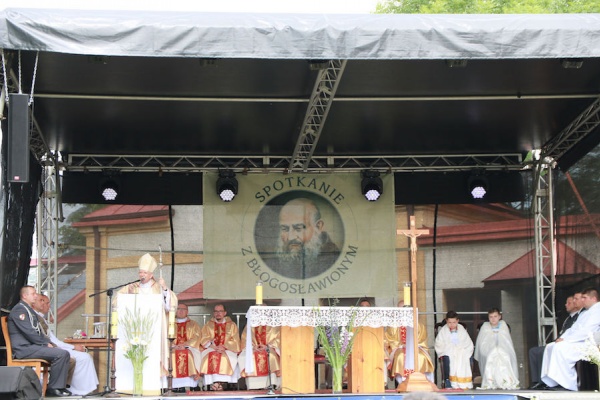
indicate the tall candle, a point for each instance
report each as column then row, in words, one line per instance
column 171, row 332
column 114, row 324
column 259, row 293
column 407, row 294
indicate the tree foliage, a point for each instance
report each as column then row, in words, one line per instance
column 487, row 6
column 586, row 178
column 70, row 237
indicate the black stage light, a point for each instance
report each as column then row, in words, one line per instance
column 371, row 185
column 478, row 186
column 227, row 185
column 109, row 189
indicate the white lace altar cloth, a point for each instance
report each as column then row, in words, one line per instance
column 373, row 317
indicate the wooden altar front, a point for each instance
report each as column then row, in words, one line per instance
column 366, row 365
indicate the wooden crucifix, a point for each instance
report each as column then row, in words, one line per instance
column 416, row 381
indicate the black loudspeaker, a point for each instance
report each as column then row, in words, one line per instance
column 18, row 138
column 19, row 383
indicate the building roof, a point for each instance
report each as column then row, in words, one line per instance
column 569, row 262
column 118, row 214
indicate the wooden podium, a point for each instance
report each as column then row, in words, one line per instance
column 297, row 360
column 366, row 364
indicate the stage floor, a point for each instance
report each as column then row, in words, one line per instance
column 388, row 395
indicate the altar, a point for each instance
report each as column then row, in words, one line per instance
column 366, row 372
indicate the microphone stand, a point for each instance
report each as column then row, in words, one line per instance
column 109, row 388
column 271, row 391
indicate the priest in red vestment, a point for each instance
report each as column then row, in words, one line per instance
column 220, row 345
column 263, row 338
column 186, row 354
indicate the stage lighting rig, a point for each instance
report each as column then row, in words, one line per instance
column 227, row 185
column 478, row 186
column 109, row 189
column 371, row 185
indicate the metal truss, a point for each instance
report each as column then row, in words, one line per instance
column 319, row 104
column 545, row 253
column 48, row 216
column 581, row 126
column 274, row 163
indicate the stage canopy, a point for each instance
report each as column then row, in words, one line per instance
column 144, row 92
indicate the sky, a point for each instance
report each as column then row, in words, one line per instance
column 259, row 6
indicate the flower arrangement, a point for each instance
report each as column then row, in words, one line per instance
column 79, row 334
column 337, row 344
column 137, row 329
column 591, row 350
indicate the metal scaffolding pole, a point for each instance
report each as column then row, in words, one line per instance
column 545, row 252
column 47, row 219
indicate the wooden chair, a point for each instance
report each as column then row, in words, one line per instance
column 41, row 367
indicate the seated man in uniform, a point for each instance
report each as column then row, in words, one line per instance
column 265, row 342
column 186, row 353
column 220, row 345
column 455, row 347
column 29, row 341
column 395, row 349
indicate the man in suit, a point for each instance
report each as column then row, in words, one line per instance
column 28, row 341
column 573, row 306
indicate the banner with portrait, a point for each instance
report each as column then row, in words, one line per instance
column 301, row 235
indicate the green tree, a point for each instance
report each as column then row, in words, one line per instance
column 487, row 6
column 70, row 238
column 587, row 181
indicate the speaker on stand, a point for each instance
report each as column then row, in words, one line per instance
column 18, row 138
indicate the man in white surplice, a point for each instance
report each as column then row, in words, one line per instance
column 558, row 366
column 454, row 345
column 496, row 355
column 85, row 378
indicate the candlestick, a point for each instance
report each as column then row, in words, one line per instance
column 171, row 332
column 114, row 324
column 407, row 286
column 259, row 293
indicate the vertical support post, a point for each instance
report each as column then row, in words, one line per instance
column 545, row 252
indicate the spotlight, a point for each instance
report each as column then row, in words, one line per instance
column 227, row 185
column 478, row 186
column 109, row 190
column 371, row 185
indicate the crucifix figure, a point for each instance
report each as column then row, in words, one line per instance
column 416, row 381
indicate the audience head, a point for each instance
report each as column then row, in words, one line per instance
column 42, row 304
column 219, row 312
column 423, row 396
column 182, row 311
column 364, row 302
column 147, row 264
column 452, row 320
column 589, row 297
column 28, row 295
column 494, row 316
